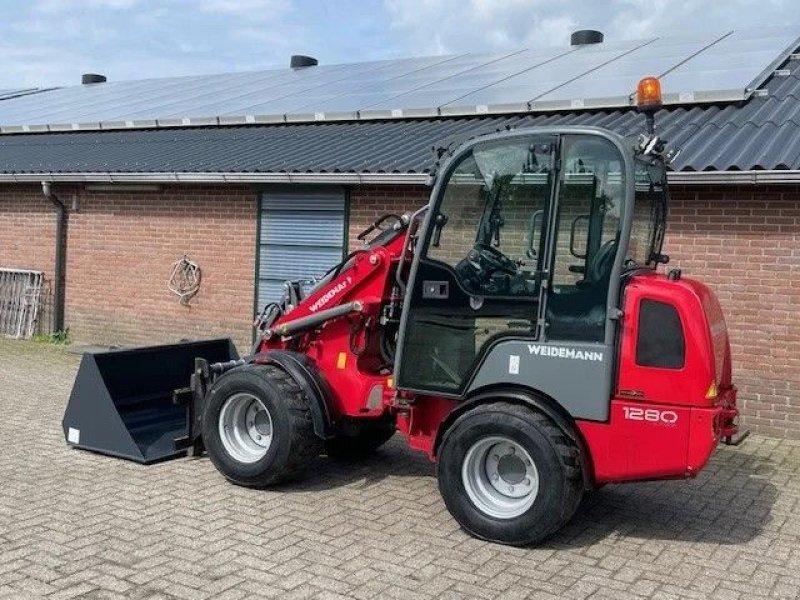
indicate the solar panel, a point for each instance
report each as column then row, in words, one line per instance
column 383, row 76
column 439, row 93
column 516, row 91
column 375, row 100
column 733, row 67
column 725, row 67
column 13, row 92
column 613, row 83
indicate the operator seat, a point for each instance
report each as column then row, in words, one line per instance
column 581, row 314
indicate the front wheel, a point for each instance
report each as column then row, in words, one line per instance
column 508, row 474
column 257, row 426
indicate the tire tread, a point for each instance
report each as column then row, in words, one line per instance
column 565, row 449
column 305, row 444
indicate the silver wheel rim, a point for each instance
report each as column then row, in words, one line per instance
column 500, row 477
column 245, row 428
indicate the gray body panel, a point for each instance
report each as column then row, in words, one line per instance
column 577, row 375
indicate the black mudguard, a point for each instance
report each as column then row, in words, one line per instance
column 306, row 374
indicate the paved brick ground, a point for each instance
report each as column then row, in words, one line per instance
column 74, row 524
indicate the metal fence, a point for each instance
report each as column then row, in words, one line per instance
column 20, row 299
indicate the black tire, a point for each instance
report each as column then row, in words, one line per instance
column 367, row 438
column 555, row 457
column 294, row 443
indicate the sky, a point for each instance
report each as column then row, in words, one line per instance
column 52, row 42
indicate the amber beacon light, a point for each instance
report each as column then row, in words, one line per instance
column 648, row 94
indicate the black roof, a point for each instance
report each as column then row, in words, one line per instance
column 762, row 133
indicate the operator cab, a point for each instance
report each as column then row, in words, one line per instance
column 525, row 235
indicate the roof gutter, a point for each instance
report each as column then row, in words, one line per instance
column 733, row 177
column 319, row 178
column 675, row 178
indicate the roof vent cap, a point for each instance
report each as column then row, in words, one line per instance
column 88, row 78
column 582, row 37
column 298, row 61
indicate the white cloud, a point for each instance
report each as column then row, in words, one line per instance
column 448, row 26
column 61, row 6
column 51, row 42
column 245, row 8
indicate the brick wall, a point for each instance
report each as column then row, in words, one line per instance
column 27, row 238
column 744, row 242
column 120, row 249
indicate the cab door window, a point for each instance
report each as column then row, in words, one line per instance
column 590, row 201
column 480, row 274
column 491, row 219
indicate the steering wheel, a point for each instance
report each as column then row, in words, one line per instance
column 488, row 259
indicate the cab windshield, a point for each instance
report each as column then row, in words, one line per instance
column 649, row 213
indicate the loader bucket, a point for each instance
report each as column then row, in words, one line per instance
column 122, row 401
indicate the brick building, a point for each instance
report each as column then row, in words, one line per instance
column 255, row 200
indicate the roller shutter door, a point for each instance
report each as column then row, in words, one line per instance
column 302, row 235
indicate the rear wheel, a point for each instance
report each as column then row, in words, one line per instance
column 257, row 426
column 508, row 474
column 367, row 437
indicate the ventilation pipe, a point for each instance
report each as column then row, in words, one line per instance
column 584, row 37
column 61, row 256
column 299, row 61
column 88, row 78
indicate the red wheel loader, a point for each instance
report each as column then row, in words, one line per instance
column 516, row 330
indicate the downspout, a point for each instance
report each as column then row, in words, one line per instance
column 62, row 217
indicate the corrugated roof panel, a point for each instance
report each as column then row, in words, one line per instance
column 786, row 86
column 781, row 149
